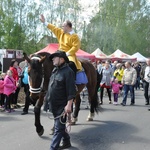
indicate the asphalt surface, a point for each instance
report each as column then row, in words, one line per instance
column 114, row 128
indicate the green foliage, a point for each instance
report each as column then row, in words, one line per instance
column 120, row 25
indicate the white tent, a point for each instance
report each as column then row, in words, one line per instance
column 99, row 54
column 119, row 55
column 139, row 57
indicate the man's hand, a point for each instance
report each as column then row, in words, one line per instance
column 42, row 18
column 68, row 107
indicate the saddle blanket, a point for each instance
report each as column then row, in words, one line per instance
column 81, row 78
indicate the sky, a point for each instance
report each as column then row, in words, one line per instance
column 89, row 8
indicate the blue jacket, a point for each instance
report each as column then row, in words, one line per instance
column 25, row 76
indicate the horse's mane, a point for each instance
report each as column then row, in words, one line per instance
column 41, row 54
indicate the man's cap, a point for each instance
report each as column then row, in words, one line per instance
column 60, row 54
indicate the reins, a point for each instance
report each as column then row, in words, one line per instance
column 68, row 120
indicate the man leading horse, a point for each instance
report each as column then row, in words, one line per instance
column 60, row 95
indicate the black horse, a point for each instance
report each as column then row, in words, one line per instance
column 40, row 68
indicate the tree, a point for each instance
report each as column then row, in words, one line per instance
column 120, row 24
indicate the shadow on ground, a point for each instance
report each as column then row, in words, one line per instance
column 104, row 134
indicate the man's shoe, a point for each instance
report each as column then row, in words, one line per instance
column 146, row 103
column 65, row 145
column 123, row 104
column 149, row 109
column 24, row 113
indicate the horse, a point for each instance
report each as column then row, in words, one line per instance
column 40, row 69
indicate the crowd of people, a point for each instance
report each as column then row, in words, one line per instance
column 117, row 78
column 10, row 83
column 120, row 78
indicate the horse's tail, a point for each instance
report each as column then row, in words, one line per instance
column 95, row 101
column 96, row 92
column 95, row 97
column 92, row 85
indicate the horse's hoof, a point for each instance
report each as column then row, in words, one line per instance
column 89, row 119
column 73, row 121
column 41, row 132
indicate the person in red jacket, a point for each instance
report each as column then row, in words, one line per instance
column 13, row 68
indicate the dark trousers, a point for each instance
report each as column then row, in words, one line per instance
column 27, row 97
column 59, row 133
column 126, row 89
column 146, row 87
column 15, row 96
column 2, row 99
column 8, row 100
column 102, row 91
column 115, row 97
column 137, row 85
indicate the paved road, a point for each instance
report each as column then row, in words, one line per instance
column 114, row 128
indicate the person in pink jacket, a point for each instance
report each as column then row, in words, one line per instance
column 9, row 89
column 115, row 89
column 2, row 96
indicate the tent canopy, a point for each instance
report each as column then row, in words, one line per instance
column 53, row 47
column 139, row 57
column 119, row 55
column 99, row 54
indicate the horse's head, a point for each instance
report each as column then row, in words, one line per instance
column 36, row 77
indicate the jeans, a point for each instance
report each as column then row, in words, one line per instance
column 59, row 133
column 126, row 89
column 146, row 87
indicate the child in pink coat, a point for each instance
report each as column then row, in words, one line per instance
column 9, row 89
column 115, row 89
column 2, row 96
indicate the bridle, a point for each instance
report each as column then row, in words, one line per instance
column 39, row 89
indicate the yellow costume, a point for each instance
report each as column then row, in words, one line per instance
column 119, row 74
column 68, row 42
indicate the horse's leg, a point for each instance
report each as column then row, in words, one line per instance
column 93, row 98
column 77, row 104
column 37, row 112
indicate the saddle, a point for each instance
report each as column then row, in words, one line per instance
column 80, row 76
